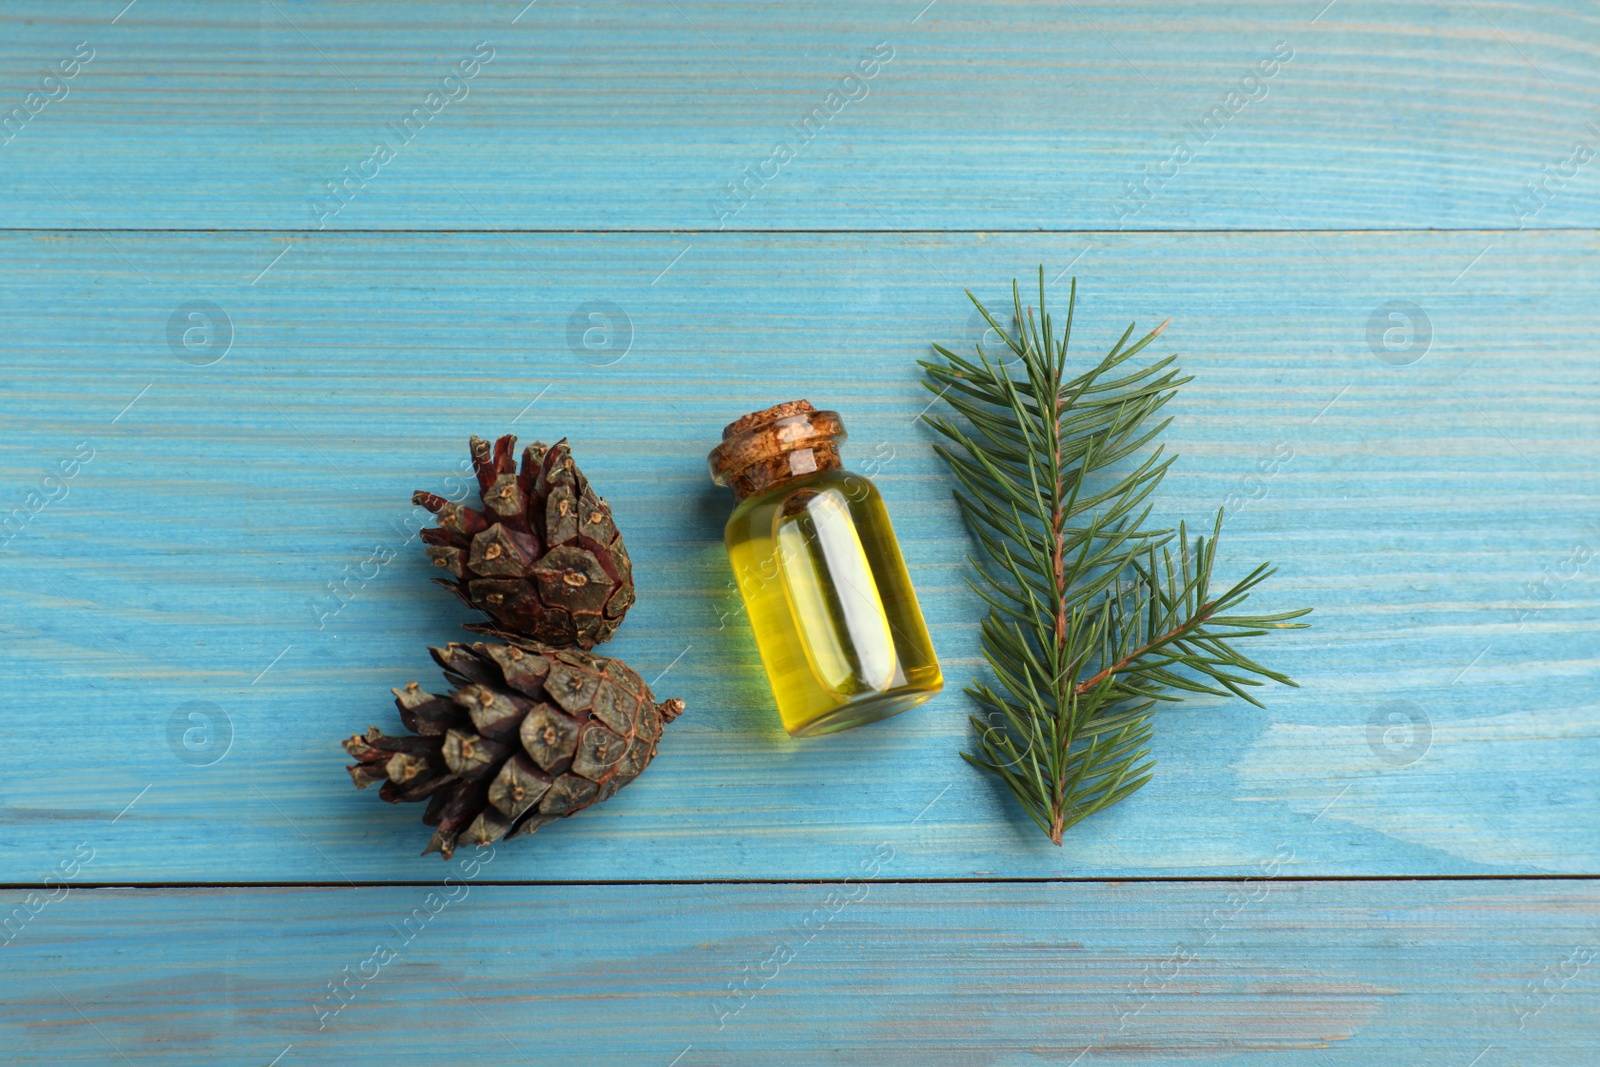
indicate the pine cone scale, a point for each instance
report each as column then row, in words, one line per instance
column 599, row 751
column 549, row 737
column 518, row 786
column 569, row 794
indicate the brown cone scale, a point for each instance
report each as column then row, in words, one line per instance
column 529, row 735
column 543, row 558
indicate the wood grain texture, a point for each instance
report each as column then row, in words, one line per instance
column 1368, row 974
column 199, row 114
column 1433, row 514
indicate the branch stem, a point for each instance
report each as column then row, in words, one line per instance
column 1100, row 676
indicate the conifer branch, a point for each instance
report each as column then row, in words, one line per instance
column 1094, row 616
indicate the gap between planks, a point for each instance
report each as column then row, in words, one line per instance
column 878, row 231
column 535, row 884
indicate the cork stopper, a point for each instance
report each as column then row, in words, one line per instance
column 766, row 448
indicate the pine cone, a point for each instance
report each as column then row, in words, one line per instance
column 543, row 558
column 529, row 735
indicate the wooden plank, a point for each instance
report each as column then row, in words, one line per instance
column 1376, row 974
column 1002, row 115
column 1430, row 513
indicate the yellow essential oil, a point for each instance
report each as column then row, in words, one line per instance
column 823, row 582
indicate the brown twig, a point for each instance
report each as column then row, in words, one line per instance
column 1204, row 613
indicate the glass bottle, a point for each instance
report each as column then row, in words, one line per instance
column 820, row 572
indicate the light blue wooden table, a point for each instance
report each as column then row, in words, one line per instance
column 1380, row 261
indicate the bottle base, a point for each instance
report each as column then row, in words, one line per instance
column 862, row 711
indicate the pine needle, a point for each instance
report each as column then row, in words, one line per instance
column 1094, row 616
